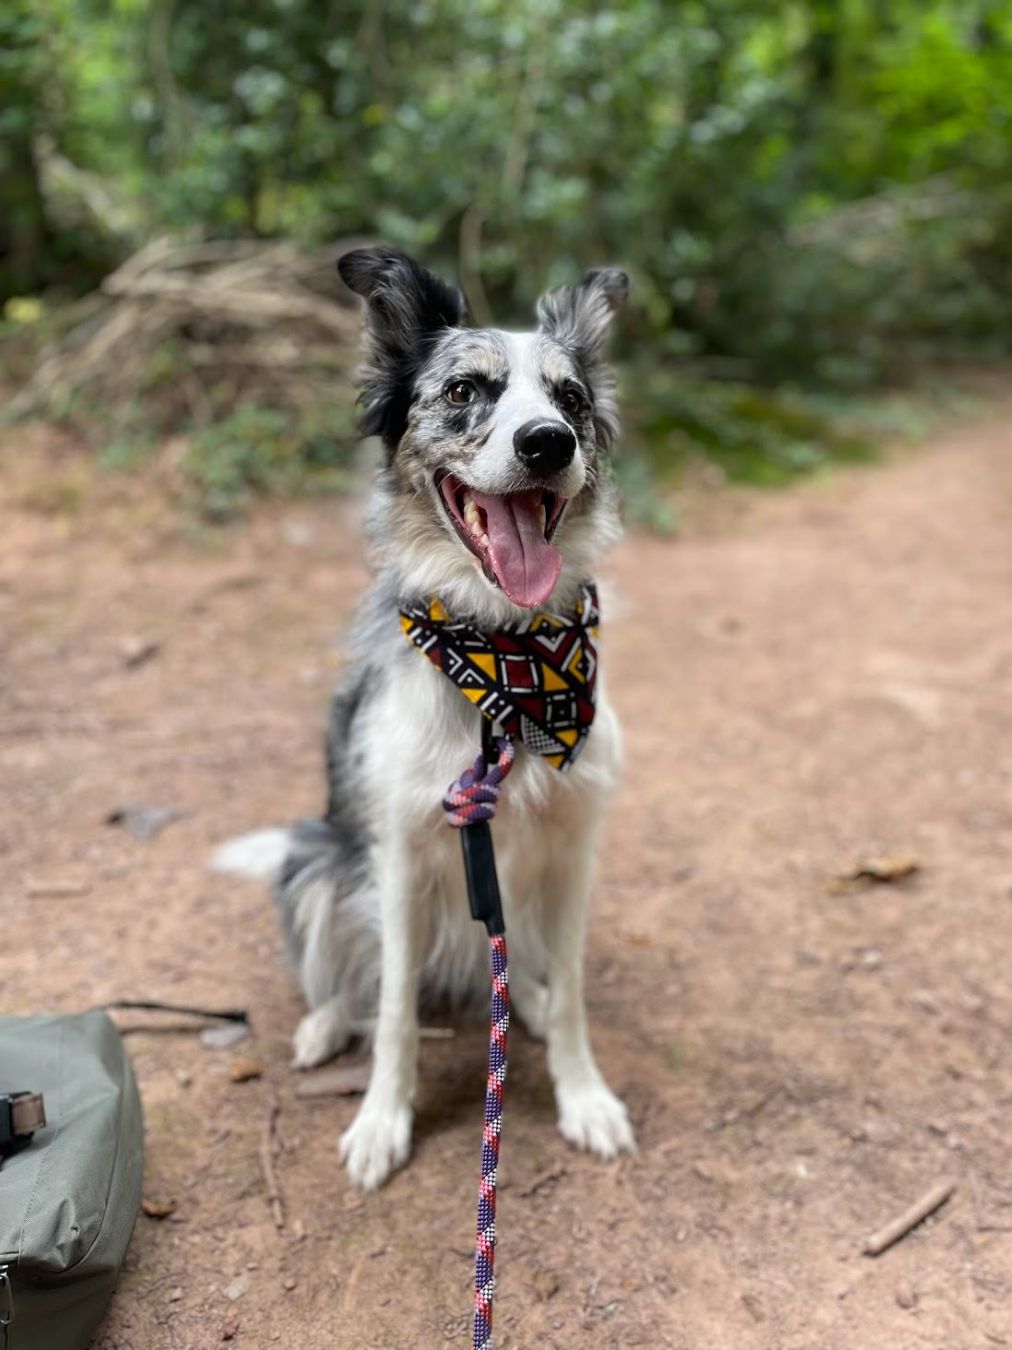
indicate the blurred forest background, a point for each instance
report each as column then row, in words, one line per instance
column 814, row 200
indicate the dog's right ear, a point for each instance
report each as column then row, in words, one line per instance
column 405, row 307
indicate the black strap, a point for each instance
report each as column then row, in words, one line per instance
column 155, row 1005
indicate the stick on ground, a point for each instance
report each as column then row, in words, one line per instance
column 267, row 1143
column 910, row 1218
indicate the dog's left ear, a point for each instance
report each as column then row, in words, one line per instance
column 579, row 317
column 405, row 306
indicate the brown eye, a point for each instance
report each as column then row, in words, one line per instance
column 571, row 401
column 461, row 391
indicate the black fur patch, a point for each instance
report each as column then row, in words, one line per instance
column 407, row 308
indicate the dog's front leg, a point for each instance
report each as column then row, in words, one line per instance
column 590, row 1115
column 379, row 1138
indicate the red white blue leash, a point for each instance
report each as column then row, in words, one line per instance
column 470, row 805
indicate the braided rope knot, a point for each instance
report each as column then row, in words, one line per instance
column 475, row 794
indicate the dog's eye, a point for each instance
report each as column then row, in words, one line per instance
column 572, row 401
column 461, row 391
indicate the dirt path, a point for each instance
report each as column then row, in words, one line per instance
column 827, row 677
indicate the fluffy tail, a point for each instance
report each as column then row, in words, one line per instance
column 316, row 874
column 259, row 856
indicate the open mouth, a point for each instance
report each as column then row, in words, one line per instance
column 510, row 535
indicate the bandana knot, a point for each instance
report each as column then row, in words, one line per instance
column 535, row 677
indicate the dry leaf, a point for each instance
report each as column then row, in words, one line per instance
column 136, row 651
column 875, row 871
column 157, row 1209
column 243, row 1070
column 639, row 939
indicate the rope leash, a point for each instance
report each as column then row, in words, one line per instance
column 469, row 805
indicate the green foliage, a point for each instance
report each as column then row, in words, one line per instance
column 809, row 194
column 755, row 435
column 256, row 451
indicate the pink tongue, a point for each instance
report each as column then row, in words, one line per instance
column 525, row 564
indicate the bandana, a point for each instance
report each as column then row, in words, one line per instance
column 535, row 678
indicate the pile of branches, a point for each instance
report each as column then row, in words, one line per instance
column 252, row 318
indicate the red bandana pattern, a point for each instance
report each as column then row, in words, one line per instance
column 536, row 678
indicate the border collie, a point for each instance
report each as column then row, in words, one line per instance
column 495, row 498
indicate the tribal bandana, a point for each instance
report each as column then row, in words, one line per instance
column 535, row 678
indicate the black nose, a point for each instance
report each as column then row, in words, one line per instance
column 544, row 446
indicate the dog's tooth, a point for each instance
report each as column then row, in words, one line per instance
column 543, row 515
column 472, row 515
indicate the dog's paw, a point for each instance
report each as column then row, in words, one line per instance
column 376, row 1143
column 320, row 1036
column 592, row 1117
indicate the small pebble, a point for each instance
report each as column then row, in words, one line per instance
column 224, row 1037
column 924, row 1000
column 236, row 1289
column 906, row 1296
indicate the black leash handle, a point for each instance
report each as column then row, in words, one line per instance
column 479, row 856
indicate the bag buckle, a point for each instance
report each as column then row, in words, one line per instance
column 18, row 1125
column 6, row 1300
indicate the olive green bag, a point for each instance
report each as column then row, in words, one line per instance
column 69, row 1195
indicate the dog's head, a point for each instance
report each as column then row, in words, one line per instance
column 494, row 440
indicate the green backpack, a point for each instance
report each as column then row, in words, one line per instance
column 70, row 1193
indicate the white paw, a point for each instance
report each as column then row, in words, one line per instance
column 592, row 1117
column 376, row 1143
column 320, row 1036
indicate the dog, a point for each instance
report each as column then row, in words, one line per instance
column 495, row 497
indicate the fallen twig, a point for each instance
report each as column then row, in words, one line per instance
column 350, row 1080
column 910, row 1218
column 57, row 889
column 268, row 1140
column 543, row 1179
column 875, row 871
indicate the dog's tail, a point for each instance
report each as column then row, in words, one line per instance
column 259, row 856
column 311, row 870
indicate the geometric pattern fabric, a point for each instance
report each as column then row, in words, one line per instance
column 536, row 677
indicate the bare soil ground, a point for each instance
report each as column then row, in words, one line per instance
column 806, row 680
